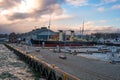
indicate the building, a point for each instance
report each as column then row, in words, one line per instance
column 42, row 34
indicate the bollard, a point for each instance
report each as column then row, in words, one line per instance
column 64, row 77
column 53, row 65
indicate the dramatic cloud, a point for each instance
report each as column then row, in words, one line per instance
column 19, row 13
column 24, row 9
column 6, row 4
column 23, row 15
column 36, row 8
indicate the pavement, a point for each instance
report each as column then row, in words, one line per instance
column 83, row 68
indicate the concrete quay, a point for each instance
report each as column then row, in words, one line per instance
column 43, row 69
column 83, row 68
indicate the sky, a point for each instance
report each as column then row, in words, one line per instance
column 25, row 15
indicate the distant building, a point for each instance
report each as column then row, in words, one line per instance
column 107, row 35
column 42, row 34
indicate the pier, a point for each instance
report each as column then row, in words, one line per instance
column 51, row 67
column 50, row 72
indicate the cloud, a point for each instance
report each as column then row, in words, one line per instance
column 35, row 9
column 101, row 9
column 16, row 14
column 90, row 27
column 6, row 4
column 20, row 27
column 55, row 17
column 23, row 15
column 103, row 2
column 31, row 9
column 116, row 6
column 102, row 21
column 77, row 2
column 8, row 28
column 108, row 1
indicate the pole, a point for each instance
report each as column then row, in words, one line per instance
column 83, row 28
column 49, row 26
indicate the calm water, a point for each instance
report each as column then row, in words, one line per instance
column 11, row 68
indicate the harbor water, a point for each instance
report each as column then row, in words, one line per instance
column 11, row 68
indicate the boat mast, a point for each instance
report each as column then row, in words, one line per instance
column 80, row 30
column 49, row 26
column 83, row 28
column 49, row 22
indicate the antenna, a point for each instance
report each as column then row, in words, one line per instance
column 83, row 28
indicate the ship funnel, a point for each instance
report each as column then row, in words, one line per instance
column 60, row 35
column 72, row 36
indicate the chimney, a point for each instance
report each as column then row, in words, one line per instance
column 72, row 36
column 60, row 35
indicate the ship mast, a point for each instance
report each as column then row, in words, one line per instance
column 80, row 30
column 49, row 26
column 49, row 22
column 83, row 28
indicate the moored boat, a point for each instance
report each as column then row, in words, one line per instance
column 60, row 43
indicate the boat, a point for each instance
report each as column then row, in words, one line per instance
column 61, row 39
column 60, row 43
column 113, row 42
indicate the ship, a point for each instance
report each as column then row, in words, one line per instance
column 61, row 41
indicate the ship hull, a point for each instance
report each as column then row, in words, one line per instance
column 60, row 43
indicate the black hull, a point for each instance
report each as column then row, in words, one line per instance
column 60, row 43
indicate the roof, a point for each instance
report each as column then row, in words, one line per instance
column 42, row 31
